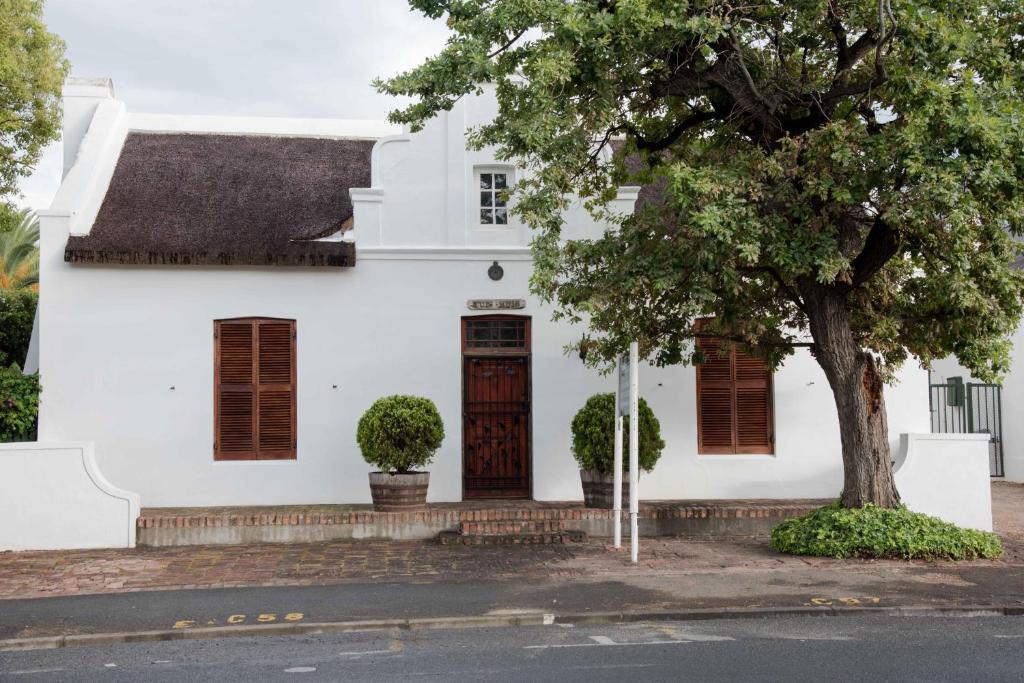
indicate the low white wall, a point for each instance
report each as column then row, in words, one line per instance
column 946, row 476
column 52, row 497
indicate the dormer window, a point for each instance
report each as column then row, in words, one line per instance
column 493, row 208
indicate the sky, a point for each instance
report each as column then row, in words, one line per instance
column 301, row 58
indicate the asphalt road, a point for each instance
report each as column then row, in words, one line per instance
column 900, row 649
column 158, row 610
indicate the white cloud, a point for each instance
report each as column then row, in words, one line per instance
column 305, row 58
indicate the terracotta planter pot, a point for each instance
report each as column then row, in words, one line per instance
column 599, row 489
column 399, row 492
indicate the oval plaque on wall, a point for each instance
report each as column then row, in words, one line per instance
column 495, row 304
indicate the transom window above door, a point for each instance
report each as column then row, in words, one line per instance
column 492, row 187
column 496, row 333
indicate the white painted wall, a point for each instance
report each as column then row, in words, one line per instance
column 946, row 476
column 53, row 497
column 1012, row 396
column 115, row 340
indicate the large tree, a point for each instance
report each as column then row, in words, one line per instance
column 840, row 175
column 32, row 71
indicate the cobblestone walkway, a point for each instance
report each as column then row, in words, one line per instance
column 42, row 574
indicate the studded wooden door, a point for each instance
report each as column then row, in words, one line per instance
column 496, row 411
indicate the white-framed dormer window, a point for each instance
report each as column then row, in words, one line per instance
column 493, row 185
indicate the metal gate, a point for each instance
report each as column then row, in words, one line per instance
column 970, row 408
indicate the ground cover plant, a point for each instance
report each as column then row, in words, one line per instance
column 877, row 532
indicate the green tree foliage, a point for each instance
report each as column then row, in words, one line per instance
column 400, row 433
column 32, row 72
column 839, row 175
column 19, row 404
column 17, row 312
column 19, row 252
column 593, row 436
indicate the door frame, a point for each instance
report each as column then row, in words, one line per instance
column 527, row 353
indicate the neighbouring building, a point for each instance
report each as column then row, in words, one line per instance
column 221, row 299
column 962, row 403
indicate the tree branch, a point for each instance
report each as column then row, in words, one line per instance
column 881, row 244
column 740, row 340
column 790, row 293
column 507, row 45
column 668, row 139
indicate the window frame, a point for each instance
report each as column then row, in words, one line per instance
column 493, row 193
column 257, row 454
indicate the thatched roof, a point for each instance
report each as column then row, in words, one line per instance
column 199, row 199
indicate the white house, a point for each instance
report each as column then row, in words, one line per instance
column 221, row 300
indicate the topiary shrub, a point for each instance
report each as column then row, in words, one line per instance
column 872, row 531
column 19, row 405
column 400, row 433
column 593, row 435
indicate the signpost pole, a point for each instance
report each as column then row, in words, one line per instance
column 621, row 392
column 634, row 448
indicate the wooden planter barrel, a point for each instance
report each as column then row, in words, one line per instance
column 599, row 489
column 399, row 492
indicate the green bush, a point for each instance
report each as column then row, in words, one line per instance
column 399, row 433
column 593, row 435
column 19, row 405
column 17, row 309
column 872, row 531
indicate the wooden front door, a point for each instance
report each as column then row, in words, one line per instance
column 496, row 407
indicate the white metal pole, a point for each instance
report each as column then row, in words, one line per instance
column 617, row 484
column 634, row 448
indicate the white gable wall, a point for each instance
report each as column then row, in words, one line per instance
column 127, row 352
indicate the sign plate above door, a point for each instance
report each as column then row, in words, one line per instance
column 495, row 304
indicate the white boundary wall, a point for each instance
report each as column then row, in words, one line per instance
column 946, row 476
column 53, row 497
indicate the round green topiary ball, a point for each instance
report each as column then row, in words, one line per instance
column 593, row 435
column 400, row 433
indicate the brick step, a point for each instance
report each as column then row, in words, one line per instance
column 511, row 527
column 549, row 538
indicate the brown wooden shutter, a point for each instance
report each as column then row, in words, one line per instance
column 734, row 410
column 276, row 389
column 716, row 410
column 753, row 404
column 254, row 401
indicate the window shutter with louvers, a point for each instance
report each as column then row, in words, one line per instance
column 734, row 402
column 255, row 389
column 715, row 400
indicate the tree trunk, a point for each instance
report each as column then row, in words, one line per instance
column 857, row 389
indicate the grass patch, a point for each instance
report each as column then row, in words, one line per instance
column 872, row 531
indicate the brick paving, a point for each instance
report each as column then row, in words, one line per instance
column 61, row 573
